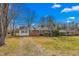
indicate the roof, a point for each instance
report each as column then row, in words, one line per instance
column 34, row 28
column 62, row 31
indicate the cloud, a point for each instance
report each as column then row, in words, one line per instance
column 66, row 10
column 73, row 8
column 68, row 21
column 33, row 24
column 71, row 17
column 56, row 6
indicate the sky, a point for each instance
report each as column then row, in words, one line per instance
column 62, row 12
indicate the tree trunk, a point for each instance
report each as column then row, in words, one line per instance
column 2, row 40
column 29, row 31
column 2, row 33
column 3, row 26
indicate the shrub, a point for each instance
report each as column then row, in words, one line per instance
column 56, row 33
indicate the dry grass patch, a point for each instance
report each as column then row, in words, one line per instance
column 41, row 46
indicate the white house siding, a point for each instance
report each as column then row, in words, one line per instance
column 23, row 33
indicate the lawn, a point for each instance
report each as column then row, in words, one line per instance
column 52, row 46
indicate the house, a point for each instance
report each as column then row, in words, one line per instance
column 26, row 31
column 73, row 32
column 69, row 32
column 43, row 30
column 34, row 31
column 23, row 31
column 63, row 32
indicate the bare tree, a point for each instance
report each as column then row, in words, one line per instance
column 13, row 23
column 47, row 22
column 5, row 18
column 50, row 24
column 30, row 15
column 42, row 25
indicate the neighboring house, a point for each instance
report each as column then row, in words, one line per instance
column 43, row 30
column 34, row 31
column 64, row 32
column 40, row 31
column 73, row 32
column 23, row 31
column 69, row 32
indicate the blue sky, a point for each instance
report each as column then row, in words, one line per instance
column 62, row 12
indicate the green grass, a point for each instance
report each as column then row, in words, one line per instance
column 64, row 45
